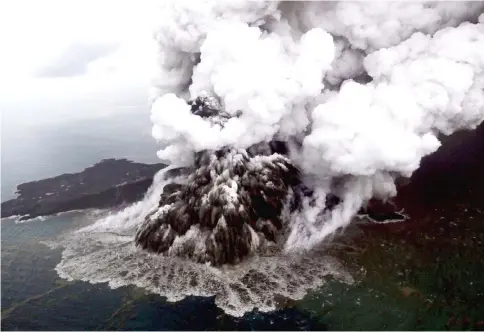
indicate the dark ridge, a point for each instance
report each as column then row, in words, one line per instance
column 108, row 183
column 455, row 172
column 451, row 176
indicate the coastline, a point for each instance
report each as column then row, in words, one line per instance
column 109, row 183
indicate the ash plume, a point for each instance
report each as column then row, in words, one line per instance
column 231, row 202
column 354, row 93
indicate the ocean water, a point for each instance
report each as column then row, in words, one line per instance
column 34, row 297
column 428, row 282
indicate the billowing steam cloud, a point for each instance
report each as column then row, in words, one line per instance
column 358, row 91
column 281, row 120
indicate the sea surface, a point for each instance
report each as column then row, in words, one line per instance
column 35, row 298
column 432, row 280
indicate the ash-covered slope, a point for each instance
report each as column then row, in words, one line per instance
column 108, row 183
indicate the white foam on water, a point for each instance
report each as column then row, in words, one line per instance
column 39, row 218
column 18, row 218
column 367, row 217
column 14, row 217
column 104, row 252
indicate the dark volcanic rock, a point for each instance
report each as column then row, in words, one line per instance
column 108, row 183
column 232, row 202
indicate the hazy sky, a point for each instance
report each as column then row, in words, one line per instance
column 64, row 60
column 63, row 66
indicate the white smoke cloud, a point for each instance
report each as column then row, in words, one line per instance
column 372, row 25
column 185, row 24
column 266, row 78
column 363, row 87
column 277, row 68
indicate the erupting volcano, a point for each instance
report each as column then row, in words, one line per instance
column 231, row 204
column 281, row 121
column 287, row 111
